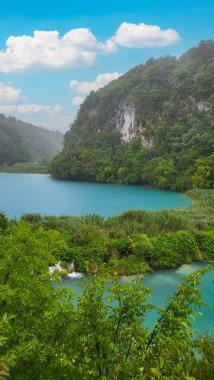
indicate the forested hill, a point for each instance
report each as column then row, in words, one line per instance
column 23, row 142
column 154, row 125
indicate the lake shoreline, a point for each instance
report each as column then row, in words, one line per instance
column 41, row 193
column 30, row 168
column 25, row 168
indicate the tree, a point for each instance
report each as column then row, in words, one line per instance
column 204, row 173
column 3, row 223
column 4, row 361
column 26, row 291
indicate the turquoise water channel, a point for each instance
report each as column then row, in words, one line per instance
column 163, row 284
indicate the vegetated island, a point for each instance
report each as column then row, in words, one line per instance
column 134, row 242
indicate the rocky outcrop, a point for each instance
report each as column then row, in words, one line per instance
column 203, row 106
column 126, row 123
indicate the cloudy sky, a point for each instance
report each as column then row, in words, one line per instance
column 53, row 53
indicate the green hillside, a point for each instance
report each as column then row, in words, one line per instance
column 153, row 126
column 23, row 142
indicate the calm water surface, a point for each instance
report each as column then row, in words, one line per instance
column 164, row 283
column 30, row 193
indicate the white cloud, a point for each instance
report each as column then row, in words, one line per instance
column 45, row 49
column 142, row 35
column 8, row 94
column 77, row 100
column 100, row 81
column 78, row 47
column 29, row 109
column 42, row 115
column 36, row 108
column 7, row 109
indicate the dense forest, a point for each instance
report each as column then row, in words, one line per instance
column 47, row 332
column 153, row 126
column 23, row 142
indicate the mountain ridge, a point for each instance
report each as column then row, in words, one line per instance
column 153, row 125
column 25, row 142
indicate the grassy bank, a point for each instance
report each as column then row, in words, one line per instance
column 29, row 168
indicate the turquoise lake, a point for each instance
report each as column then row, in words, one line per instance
column 163, row 284
column 33, row 193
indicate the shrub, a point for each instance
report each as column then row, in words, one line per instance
column 205, row 241
column 124, row 246
column 3, row 222
column 127, row 266
column 184, row 244
column 142, row 246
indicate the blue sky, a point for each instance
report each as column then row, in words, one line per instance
column 81, row 46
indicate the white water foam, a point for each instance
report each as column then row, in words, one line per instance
column 58, row 267
column 186, row 269
column 55, row 267
column 75, row 275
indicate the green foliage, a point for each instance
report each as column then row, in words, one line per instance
column 126, row 266
column 3, row 223
column 104, row 335
column 32, row 218
column 206, row 243
column 25, row 168
column 142, row 246
column 124, row 246
column 27, row 293
column 173, row 130
column 163, row 172
column 168, row 250
column 205, row 369
column 184, row 243
column 135, row 240
column 204, row 172
column 4, row 361
column 163, row 253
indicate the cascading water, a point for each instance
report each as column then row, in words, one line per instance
column 70, row 272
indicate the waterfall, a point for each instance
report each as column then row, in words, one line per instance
column 70, row 272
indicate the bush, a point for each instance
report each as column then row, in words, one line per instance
column 162, row 254
column 127, row 266
column 205, row 241
column 142, row 246
column 124, row 246
column 3, row 222
column 184, row 244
